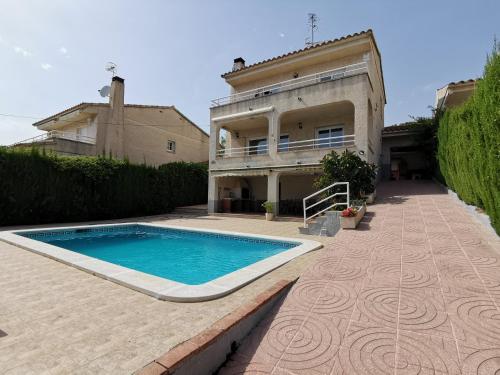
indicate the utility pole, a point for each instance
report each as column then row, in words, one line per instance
column 312, row 22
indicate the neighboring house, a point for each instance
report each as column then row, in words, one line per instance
column 454, row 94
column 285, row 113
column 152, row 135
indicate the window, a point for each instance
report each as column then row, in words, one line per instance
column 330, row 137
column 284, row 142
column 171, row 146
column 257, row 146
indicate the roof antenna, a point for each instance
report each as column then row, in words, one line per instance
column 111, row 67
column 312, row 22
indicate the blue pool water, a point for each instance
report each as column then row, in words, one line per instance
column 184, row 256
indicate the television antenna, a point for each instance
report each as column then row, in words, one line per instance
column 105, row 91
column 111, row 67
column 312, row 23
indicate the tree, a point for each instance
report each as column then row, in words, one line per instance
column 348, row 167
column 469, row 144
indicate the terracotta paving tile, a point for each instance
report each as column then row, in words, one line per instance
column 420, row 256
column 366, row 338
column 323, row 297
column 375, row 314
column 313, row 348
column 379, row 362
column 480, row 361
column 427, row 352
column 235, row 367
column 385, row 269
column 419, row 276
column 379, row 294
column 360, row 253
column 350, row 270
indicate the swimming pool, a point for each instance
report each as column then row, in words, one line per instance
column 167, row 262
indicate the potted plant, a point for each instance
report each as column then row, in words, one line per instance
column 351, row 216
column 268, row 206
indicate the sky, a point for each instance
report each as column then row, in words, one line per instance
column 53, row 52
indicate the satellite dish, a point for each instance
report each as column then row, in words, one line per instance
column 111, row 67
column 105, row 91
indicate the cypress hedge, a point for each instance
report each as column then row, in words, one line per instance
column 36, row 188
column 469, row 144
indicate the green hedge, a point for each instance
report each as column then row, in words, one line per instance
column 469, row 145
column 37, row 188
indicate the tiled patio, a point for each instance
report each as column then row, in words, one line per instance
column 55, row 319
column 415, row 291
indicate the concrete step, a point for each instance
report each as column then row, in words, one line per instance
column 326, row 225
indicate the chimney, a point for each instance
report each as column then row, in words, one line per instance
column 117, row 95
column 115, row 127
column 238, row 64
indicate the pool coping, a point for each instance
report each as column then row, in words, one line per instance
column 158, row 287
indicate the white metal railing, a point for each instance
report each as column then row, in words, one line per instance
column 243, row 151
column 329, row 197
column 305, row 145
column 325, row 76
column 57, row 134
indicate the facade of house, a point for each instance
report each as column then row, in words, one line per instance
column 283, row 115
column 152, row 135
column 454, row 94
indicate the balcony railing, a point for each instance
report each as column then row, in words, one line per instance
column 329, row 75
column 305, row 145
column 57, row 134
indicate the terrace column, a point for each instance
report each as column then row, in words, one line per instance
column 214, row 140
column 273, row 137
column 361, row 126
column 273, row 184
column 213, row 194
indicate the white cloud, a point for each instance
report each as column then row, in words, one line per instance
column 46, row 66
column 63, row 50
column 282, row 35
column 22, row 51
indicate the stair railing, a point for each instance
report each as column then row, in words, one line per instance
column 345, row 203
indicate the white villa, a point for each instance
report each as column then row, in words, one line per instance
column 284, row 114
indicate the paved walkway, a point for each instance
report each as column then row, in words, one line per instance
column 416, row 290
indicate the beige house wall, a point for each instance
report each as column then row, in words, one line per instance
column 148, row 130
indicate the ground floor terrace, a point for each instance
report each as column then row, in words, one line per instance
column 246, row 191
column 415, row 289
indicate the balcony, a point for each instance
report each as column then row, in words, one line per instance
column 318, row 144
column 56, row 134
column 326, row 76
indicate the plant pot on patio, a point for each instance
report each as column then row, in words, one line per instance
column 353, row 216
column 370, row 198
column 269, row 207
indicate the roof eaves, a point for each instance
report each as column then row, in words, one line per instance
column 66, row 111
column 188, row 120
